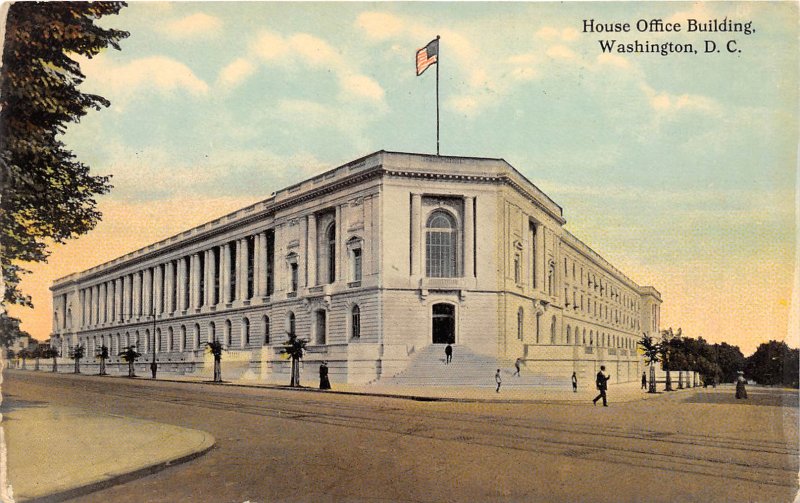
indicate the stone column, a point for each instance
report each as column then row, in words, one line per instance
column 211, row 272
column 126, row 297
column 102, row 302
column 311, row 250
column 147, row 292
column 340, row 252
column 262, row 264
column 225, row 274
column 416, row 215
column 82, row 300
column 541, row 264
column 180, row 290
column 278, row 259
column 195, row 281
column 118, row 299
column 469, row 239
column 137, row 293
column 96, row 304
column 169, row 287
column 257, row 265
column 366, row 246
column 241, row 269
column 158, row 288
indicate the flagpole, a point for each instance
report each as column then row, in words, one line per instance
column 437, row 96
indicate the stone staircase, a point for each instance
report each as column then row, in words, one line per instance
column 469, row 369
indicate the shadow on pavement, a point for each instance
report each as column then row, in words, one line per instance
column 10, row 404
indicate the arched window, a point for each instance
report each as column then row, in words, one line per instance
column 591, row 337
column 569, row 332
column 228, row 334
column 138, row 342
column 184, row 345
column 158, row 343
column 553, row 330
column 196, row 336
column 355, row 322
column 246, row 331
column 520, row 326
column 266, row 329
column 330, row 244
column 441, row 246
column 212, row 332
column 170, row 339
column 146, row 341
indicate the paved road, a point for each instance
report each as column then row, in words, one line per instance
column 275, row 445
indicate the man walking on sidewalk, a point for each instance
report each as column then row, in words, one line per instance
column 602, row 385
column 448, row 353
column 498, row 380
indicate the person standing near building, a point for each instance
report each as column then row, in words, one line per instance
column 498, row 380
column 574, row 382
column 324, row 382
column 644, row 381
column 448, row 353
column 517, row 364
column 602, row 385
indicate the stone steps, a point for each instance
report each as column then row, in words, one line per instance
column 428, row 368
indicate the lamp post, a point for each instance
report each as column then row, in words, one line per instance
column 153, row 364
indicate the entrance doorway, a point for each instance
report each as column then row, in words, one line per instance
column 444, row 324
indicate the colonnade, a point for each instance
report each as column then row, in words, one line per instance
column 221, row 276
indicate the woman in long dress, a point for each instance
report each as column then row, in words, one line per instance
column 324, row 383
column 741, row 391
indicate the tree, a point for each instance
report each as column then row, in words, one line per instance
column 652, row 355
column 216, row 349
column 77, row 354
column 669, row 339
column 102, row 353
column 9, row 326
column 129, row 354
column 773, row 363
column 51, row 352
column 36, row 354
column 47, row 194
column 294, row 348
column 730, row 360
column 24, row 354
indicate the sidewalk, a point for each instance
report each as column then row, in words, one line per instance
column 55, row 453
column 617, row 393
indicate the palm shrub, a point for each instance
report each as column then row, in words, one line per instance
column 294, row 348
column 76, row 354
column 652, row 355
column 216, row 349
column 102, row 353
column 129, row 354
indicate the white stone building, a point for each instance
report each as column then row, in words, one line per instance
column 372, row 262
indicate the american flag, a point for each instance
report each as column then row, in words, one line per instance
column 427, row 56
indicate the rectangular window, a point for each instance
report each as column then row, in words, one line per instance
column 293, row 286
column 516, row 269
column 356, row 264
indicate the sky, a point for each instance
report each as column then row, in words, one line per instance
column 681, row 170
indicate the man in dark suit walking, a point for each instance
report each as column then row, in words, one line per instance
column 602, row 385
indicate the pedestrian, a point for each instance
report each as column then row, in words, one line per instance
column 741, row 391
column 324, row 383
column 602, row 385
column 498, row 379
column 644, row 381
column 448, row 354
column 517, row 363
column 574, row 382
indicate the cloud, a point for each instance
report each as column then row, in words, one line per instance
column 160, row 74
column 671, row 103
column 379, row 25
column 235, row 73
column 195, row 26
column 309, row 51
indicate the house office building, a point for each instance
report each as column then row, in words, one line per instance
column 373, row 262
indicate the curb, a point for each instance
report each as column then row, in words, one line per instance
column 122, row 478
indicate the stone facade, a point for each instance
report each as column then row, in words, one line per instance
column 371, row 262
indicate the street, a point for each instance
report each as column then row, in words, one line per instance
column 285, row 445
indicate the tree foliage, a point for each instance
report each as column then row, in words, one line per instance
column 9, row 329
column 650, row 348
column 773, row 363
column 46, row 194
